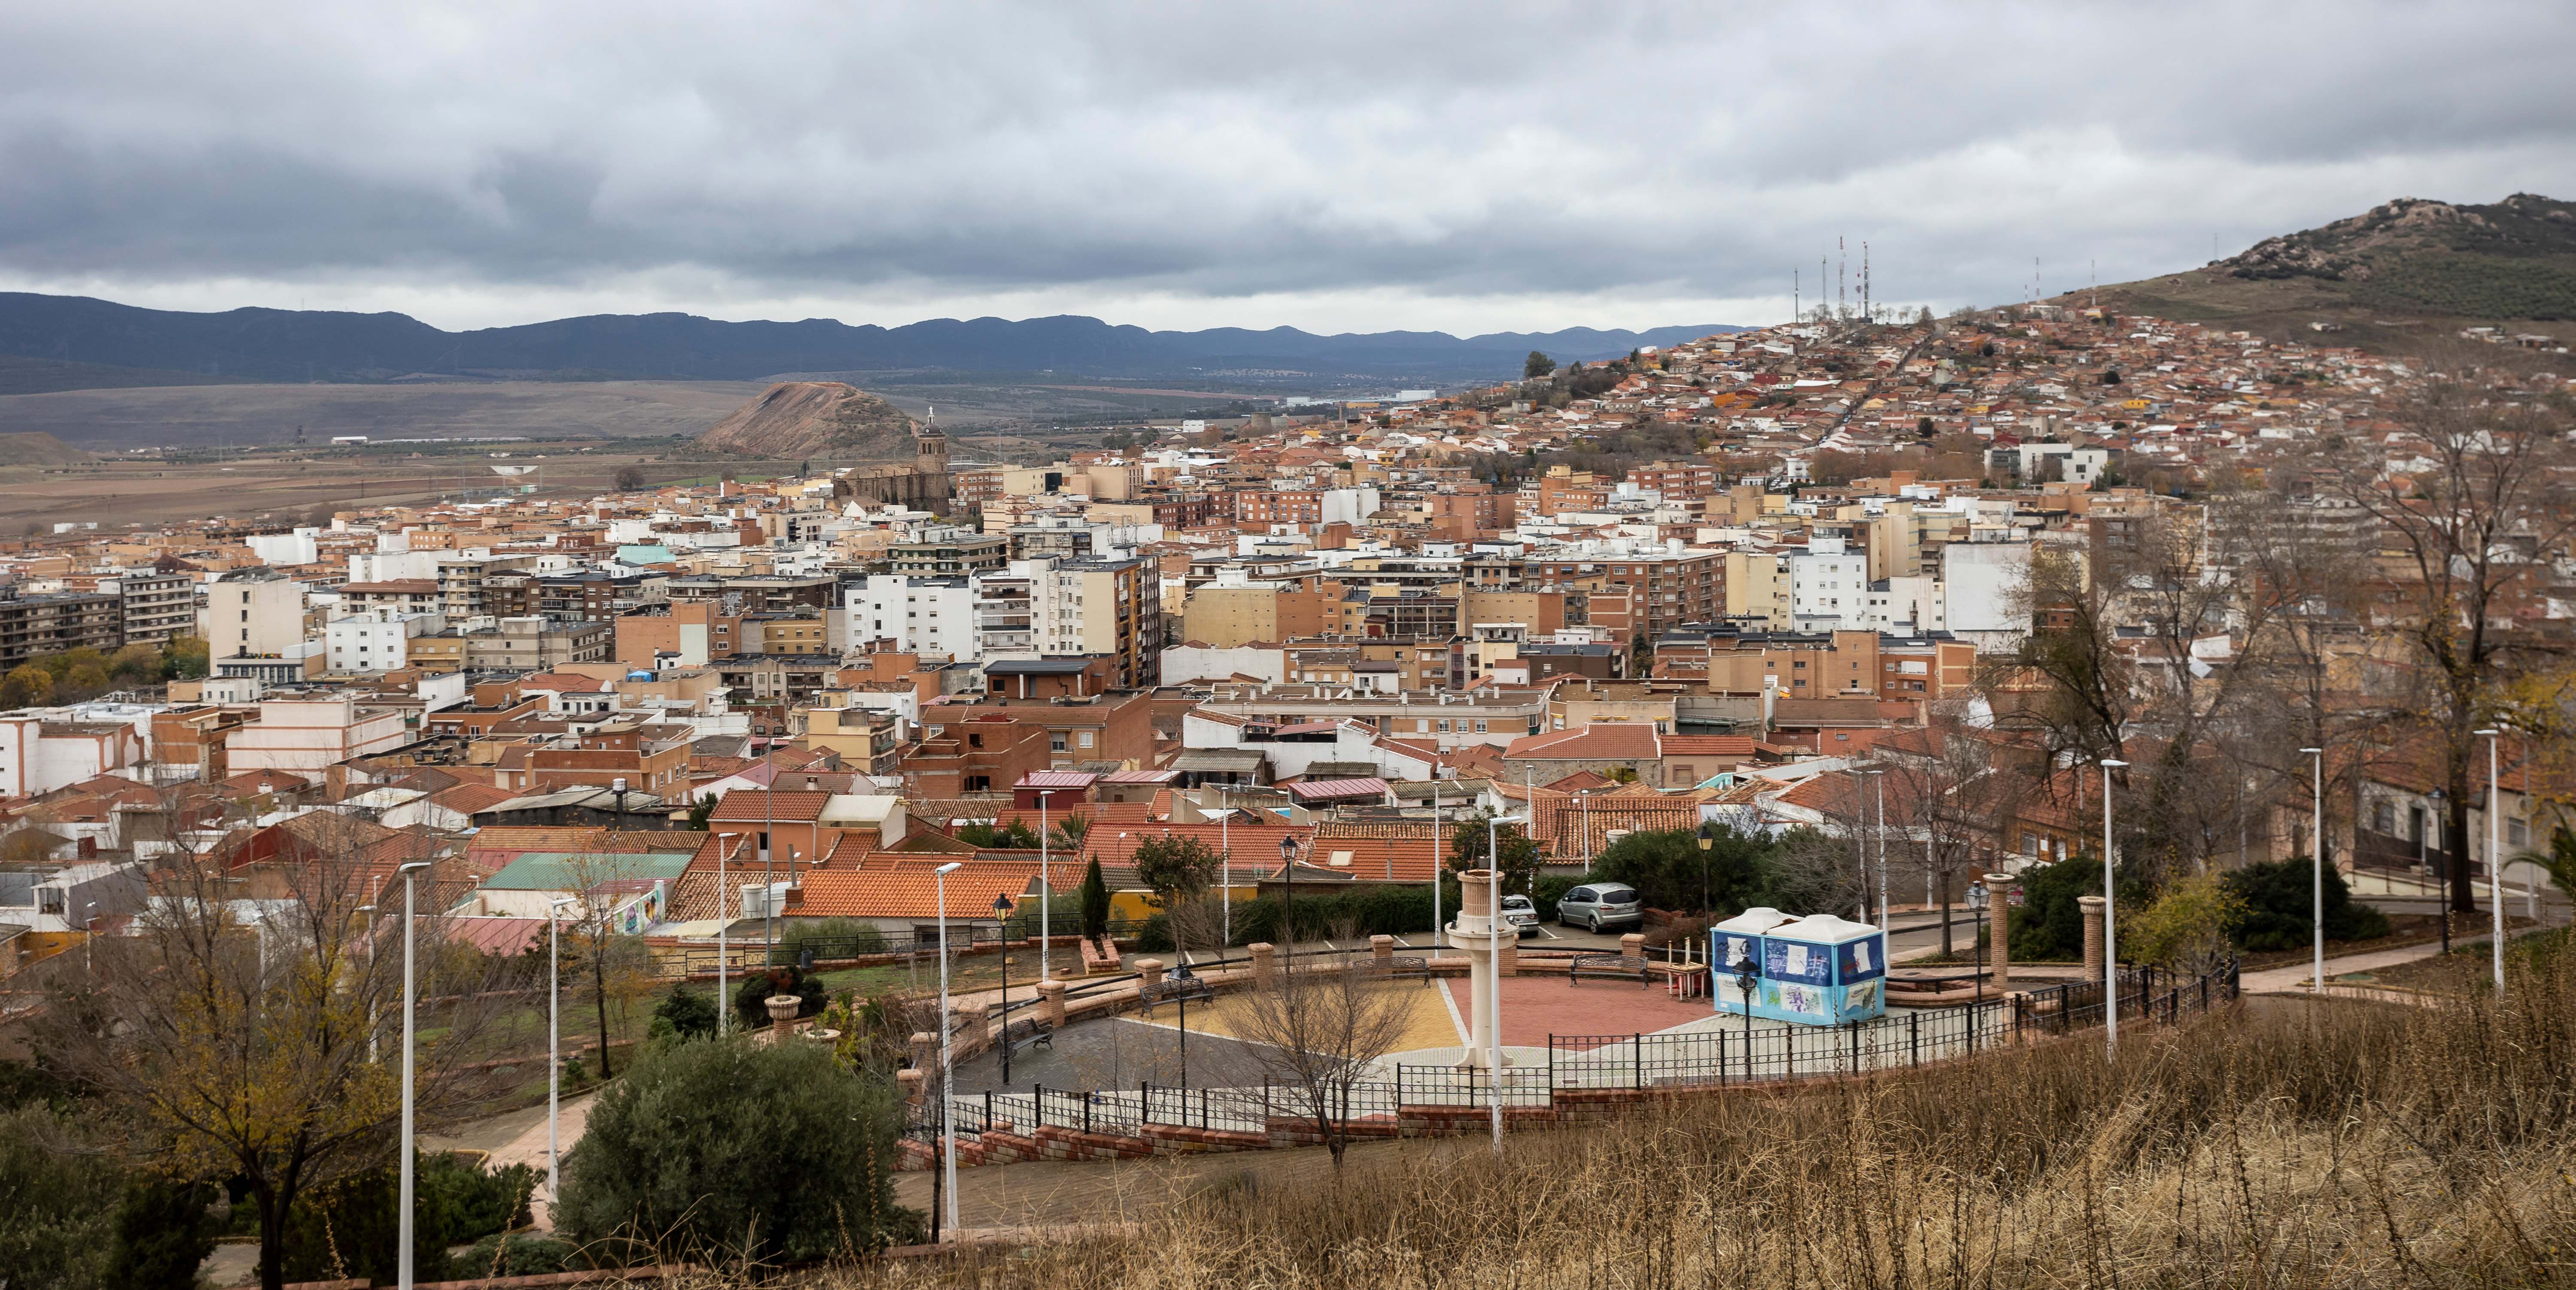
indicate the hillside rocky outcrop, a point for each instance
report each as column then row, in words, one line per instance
column 801, row 420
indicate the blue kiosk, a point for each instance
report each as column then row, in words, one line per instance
column 1819, row 970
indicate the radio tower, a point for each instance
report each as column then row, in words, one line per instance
column 1866, row 314
column 1796, row 307
column 1842, row 280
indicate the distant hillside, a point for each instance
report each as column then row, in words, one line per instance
column 284, row 345
column 796, row 420
column 2407, row 269
column 39, row 450
column 48, row 375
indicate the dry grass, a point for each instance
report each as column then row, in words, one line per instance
column 2340, row 1145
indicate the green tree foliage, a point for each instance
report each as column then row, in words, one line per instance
column 2188, row 927
column 1176, row 868
column 701, row 812
column 1511, row 851
column 1536, row 366
column 184, row 657
column 689, row 1014
column 829, row 938
column 2559, row 861
column 2050, row 924
column 353, row 1228
column 711, row 1153
column 1011, row 836
column 2279, row 899
column 751, row 998
column 162, row 1234
column 58, row 1209
column 1669, row 870
column 1095, row 901
column 1394, row 910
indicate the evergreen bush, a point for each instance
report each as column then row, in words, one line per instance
column 711, row 1153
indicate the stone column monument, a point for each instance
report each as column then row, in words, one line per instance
column 1477, row 933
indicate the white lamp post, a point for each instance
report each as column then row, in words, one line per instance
column 554, row 1047
column 370, row 912
column 402, row 1256
column 1878, row 781
column 2110, row 937
column 2495, row 854
column 1045, row 973
column 724, row 919
column 2317, row 877
column 947, row 1080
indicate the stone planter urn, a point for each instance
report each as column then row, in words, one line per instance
column 782, row 1009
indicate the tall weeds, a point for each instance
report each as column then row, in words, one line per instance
column 2296, row 1146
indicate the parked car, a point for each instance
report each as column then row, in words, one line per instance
column 1599, row 905
column 1521, row 914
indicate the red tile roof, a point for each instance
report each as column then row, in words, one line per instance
column 1596, row 741
column 892, row 885
column 745, row 805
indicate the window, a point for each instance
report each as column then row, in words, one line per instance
column 1055, row 743
column 2516, row 832
column 1083, row 738
column 2383, row 817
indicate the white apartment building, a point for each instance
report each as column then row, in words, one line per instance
column 302, row 736
column 1907, row 606
column 1828, row 587
column 252, row 613
column 933, row 617
column 303, row 546
column 374, row 640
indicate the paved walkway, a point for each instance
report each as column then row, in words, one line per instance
column 2285, row 980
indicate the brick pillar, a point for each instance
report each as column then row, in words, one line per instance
column 973, row 1030
column 1264, row 954
column 2092, row 907
column 1999, row 930
column 1381, row 951
column 1051, row 1002
column 1511, row 954
column 910, row 1081
column 1149, row 971
column 1633, row 944
column 925, row 1049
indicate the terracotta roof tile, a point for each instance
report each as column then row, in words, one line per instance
column 744, row 805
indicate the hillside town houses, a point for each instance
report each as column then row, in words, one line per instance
column 1688, row 586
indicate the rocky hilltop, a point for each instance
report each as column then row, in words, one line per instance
column 802, row 420
column 2513, row 259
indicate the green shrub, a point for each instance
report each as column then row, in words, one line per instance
column 1549, row 889
column 691, row 1015
column 58, row 1211
column 2050, row 924
column 1155, row 936
column 521, row 1254
column 829, row 938
column 479, row 1201
column 162, row 1235
column 2279, row 900
column 353, row 1229
column 1669, row 870
column 713, row 1152
column 751, row 998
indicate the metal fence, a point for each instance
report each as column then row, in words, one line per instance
column 1723, row 1053
column 745, row 953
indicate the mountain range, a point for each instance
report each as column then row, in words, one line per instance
column 73, row 342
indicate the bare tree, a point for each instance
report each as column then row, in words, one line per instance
column 1319, row 1030
column 2475, row 503
column 235, row 1031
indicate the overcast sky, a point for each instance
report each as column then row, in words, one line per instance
column 1463, row 166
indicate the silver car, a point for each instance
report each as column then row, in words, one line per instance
column 1520, row 914
column 1600, row 904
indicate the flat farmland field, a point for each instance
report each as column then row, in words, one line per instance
column 208, row 416
column 280, row 485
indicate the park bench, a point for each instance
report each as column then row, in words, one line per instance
column 1174, row 987
column 1020, row 1035
column 1620, row 967
column 1407, row 965
column 1099, row 956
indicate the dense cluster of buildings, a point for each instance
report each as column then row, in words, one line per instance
column 1327, row 630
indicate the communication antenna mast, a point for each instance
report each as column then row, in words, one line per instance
column 1795, row 306
column 1842, row 279
column 1865, row 313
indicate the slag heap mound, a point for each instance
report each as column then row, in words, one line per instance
column 806, row 419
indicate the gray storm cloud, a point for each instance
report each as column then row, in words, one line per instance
column 1450, row 151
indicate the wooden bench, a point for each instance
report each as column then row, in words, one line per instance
column 1621, row 967
column 1099, row 957
column 1173, row 987
column 1023, row 1034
